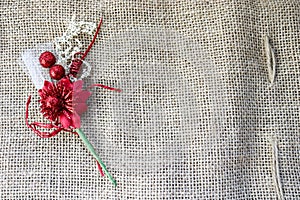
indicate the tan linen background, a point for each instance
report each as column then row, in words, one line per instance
column 197, row 118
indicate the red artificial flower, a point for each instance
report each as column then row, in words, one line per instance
column 63, row 102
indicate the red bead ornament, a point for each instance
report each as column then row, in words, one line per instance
column 47, row 59
column 57, row 72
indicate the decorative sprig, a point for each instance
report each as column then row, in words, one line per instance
column 63, row 100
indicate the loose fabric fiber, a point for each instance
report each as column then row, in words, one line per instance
column 197, row 119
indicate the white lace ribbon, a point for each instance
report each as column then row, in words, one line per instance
column 32, row 67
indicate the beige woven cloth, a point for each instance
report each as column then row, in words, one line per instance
column 197, row 119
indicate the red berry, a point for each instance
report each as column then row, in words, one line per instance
column 47, row 59
column 57, row 72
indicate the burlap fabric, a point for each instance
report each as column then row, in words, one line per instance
column 197, row 118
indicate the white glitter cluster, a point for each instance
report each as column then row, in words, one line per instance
column 68, row 44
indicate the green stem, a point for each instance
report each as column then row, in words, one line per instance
column 93, row 152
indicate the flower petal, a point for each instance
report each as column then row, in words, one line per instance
column 47, row 89
column 76, row 120
column 80, row 108
column 82, row 96
column 65, row 83
column 65, row 119
column 41, row 93
column 77, row 85
column 47, row 84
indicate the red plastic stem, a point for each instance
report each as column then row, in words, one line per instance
column 27, row 106
column 93, row 41
column 100, row 168
column 105, row 87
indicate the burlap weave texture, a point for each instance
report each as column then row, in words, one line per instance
column 197, row 118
